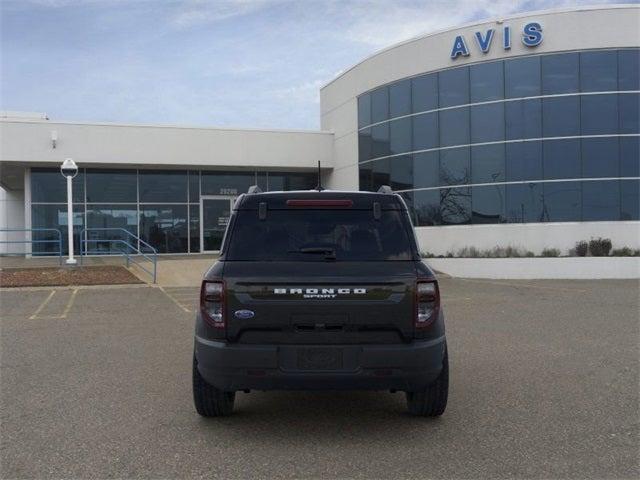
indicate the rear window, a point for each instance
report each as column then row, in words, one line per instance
column 319, row 235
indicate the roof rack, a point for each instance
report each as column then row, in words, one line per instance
column 254, row 189
column 385, row 189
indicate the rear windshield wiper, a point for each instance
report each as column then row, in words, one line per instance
column 330, row 253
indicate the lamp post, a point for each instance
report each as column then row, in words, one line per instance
column 69, row 169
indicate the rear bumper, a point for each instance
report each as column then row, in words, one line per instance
column 408, row 367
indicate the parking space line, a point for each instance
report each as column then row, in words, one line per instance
column 62, row 315
column 174, row 300
column 42, row 305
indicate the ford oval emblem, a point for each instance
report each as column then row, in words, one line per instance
column 244, row 314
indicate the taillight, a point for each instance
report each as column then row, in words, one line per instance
column 427, row 302
column 212, row 303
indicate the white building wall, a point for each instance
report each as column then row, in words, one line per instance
column 11, row 217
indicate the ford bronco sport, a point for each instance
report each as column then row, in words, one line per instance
column 320, row 290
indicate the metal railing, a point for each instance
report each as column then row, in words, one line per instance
column 31, row 241
column 132, row 248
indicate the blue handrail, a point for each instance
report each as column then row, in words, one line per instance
column 32, row 241
column 151, row 256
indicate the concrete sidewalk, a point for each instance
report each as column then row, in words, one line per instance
column 183, row 271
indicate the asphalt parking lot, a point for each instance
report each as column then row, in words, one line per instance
column 96, row 383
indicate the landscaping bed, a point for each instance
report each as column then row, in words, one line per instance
column 59, row 276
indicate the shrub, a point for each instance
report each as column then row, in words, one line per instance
column 625, row 252
column 600, row 247
column 469, row 252
column 529, row 253
column 550, row 252
column 427, row 255
column 581, row 248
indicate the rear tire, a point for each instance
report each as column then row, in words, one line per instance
column 432, row 401
column 210, row 401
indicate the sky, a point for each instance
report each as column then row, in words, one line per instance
column 227, row 63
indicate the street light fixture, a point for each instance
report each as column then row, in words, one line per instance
column 69, row 169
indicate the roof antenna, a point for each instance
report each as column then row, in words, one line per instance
column 319, row 187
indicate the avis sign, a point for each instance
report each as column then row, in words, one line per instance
column 531, row 37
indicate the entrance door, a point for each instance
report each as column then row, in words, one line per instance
column 214, row 217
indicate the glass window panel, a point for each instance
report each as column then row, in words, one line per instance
column 400, row 98
column 226, row 183
column 560, row 73
column 455, row 205
column 487, row 164
column 49, row 186
column 165, row 227
column 292, row 181
column 599, row 114
column 117, row 186
column 524, row 203
column 454, row 127
column 562, row 202
column 454, row 166
column 194, row 186
column 424, row 92
column 630, row 156
column 600, row 200
column 400, row 133
column 408, row 200
column 365, row 147
column 163, row 186
column 426, row 207
column 629, row 69
column 630, row 198
column 487, row 123
column 600, row 157
column 453, row 86
column 115, row 218
column 380, row 104
column 425, row 131
column 380, row 141
column 523, row 119
column 629, row 113
column 522, row 77
column 523, row 161
column 426, row 169
column 488, row 204
column 380, row 173
column 599, row 71
column 561, row 116
column 561, row 159
column 401, row 172
column 262, row 181
column 365, row 174
column 364, row 110
column 487, row 81
column 53, row 216
column 194, row 228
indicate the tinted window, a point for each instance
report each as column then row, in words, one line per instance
column 49, row 186
column 524, row 161
column 400, row 98
column 400, row 133
column 523, row 119
column 227, row 183
column 599, row 114
column 487, row 164
column 194, row 228
column 522, row 77
column 487, row 123
column 561, row 116
column 349, row 234
column 426, row 169
column 365, row 178
column 401, row 175
column 629, row 113
column 524, row 203
column 364, row 110
column 630, row 197
column 379, row 105
column 487, row 81
column 425, row 131
column 599, row 71
column 113, row 217
column 561, row 159
column 562, row 202
column 629, row 70
column 600, row 157
column 194, row 186
column 560, row 73
column 365, row 146
column 163, row 186
column 455, row 205
column 488, row 204
column 165, row 227
column 380, row 140
column 112, row 186
column 424, row 92
column 54, row 216
column 380, row 173
column 453, row 87
column 292, row 181
column 454, row 127
column 426, row 206
column 630, row 157
column 600, row 200
column 454, row 166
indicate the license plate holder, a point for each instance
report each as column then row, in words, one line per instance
column 319, row 358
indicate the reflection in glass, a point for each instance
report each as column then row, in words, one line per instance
column 401, row 175
column 163, row 186
column 488, row 164
column 380, row 141
column 381, row 173
column 600, row 200
column 425, row 131
column 194, row 186
column 455, row 205
column 454, row 127
column 400, row 99
column 215, row 217
column 598, row 71
column 562, row 202
column 114, row 218
column 364, row 110
column 292, row 181
column 561, row 116
column 454, row 166
column 523, row 119
column 522, row 77
column 400, row 135
column 54, row 216
column 600, row 157
column 226, row 183
column 560, row 73
column 194, row 228
column 426, row 207
column 364, row 145
column 424, row 93
column 49, row 186
column 630, row 199
column 599, row 114
column 426, row 169
column 488, row 204
column 561, row 159
column 487, row 123
column 165, row 227
column 487, row 81
column 524, row 203
column 629, row 113
column 630, row 157
column 629, row 69
column 365, row 176
column 117, row 186
column 523, row 161
column 379, row 104
column 453, row 87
